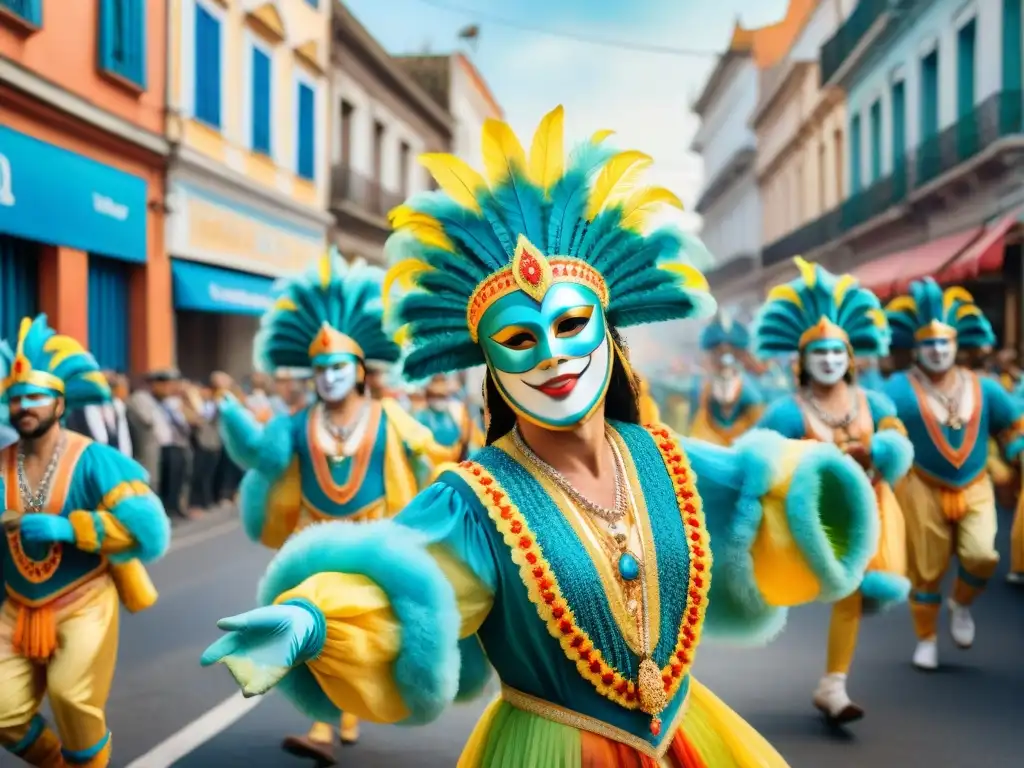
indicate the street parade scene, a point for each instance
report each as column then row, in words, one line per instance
column 565, row 385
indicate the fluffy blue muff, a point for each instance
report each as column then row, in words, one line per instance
column 146, row 520
column 252, row 503
column 884, row 590
column 892, row 454
column 475, row 670
column 395, row 558
column 240, row 432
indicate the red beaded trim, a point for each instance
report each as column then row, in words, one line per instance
column 546, row 595
column 564, row 269
column 34, row 571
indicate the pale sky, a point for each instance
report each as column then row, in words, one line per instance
column 643, row 96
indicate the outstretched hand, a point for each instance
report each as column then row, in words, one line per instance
column 263, row 645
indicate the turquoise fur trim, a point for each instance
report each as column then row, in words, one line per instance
column 85, row 755
column 884, row 590
column 146, row 520
column 474, row 671
column 827, row 484
column 927, row 598
column 781, row 323
column 240, row 432
column 892, row 454
column 785, row 417
column 349, row 301
column 59, row 356
column 314, row 645
column 724, row 331
column 252, row 503
column 35, row 730
column 970, row 579
column 973, row 329
column 394, row 557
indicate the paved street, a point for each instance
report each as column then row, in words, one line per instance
column 968, row 714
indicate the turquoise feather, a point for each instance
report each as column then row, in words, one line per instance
column 973, row 331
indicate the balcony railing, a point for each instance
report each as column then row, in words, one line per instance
column 350, row 186
column 838, row 48
column 1000, row 115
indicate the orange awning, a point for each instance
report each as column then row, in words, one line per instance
column 982, row 257
column 891, row 275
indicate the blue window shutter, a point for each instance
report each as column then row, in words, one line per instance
column 261, row 89
column 122, row 39
column 29, row 10
column 855, row 150
column 966, row 65
column 930, row 95
column 876, row 141
column 19, row 283
column 899, row 122
column 1013, row 61
column 207, row 67
column 109, row 312
column 307, row 132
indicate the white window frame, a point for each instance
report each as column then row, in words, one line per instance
column 253, row 42
column 188, row 56
column 302, row 77
column 964, row 15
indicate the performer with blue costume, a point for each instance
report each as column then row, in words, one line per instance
column 346, row 457
column 575, row 547
column 828, row 321
column 727, row 403
column 79, row 519
column 950, row 412
column 449, row 420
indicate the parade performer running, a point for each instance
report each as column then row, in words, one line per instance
column 575, row 545
column 346, row 457
column 727, row 403
column 827, row 321
column 950, row 412
column 79, row 518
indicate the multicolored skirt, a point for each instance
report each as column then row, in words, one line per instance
column 711, row 735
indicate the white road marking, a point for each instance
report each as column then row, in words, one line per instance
column 190, row 540
column 198, row 732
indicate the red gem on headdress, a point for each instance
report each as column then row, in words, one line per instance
column 529, row 269
column 17, row 366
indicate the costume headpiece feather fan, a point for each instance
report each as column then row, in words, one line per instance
column 724, row 330
column 537, row 218
column 928, row 312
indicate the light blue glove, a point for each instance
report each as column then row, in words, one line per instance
column 262, row 646
column 40, row 528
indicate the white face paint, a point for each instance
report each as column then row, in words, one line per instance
column 334, row 382
column 725, row 379
column 937, row 355
column 827, row 363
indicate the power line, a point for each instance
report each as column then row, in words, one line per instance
column 567, row 35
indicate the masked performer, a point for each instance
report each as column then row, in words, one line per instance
column 827, row 321
column 575, row 546
column 727, row 403
column 78, row 518
column 347, row 457
column 450, row 420
column 950, row 412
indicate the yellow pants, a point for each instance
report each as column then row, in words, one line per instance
column 932, row 540
column 76, row 679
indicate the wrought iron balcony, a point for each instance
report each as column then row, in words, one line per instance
column 842, row 44
column 369, row 195
column 812, row 235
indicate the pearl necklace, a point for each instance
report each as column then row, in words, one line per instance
column 826, row 418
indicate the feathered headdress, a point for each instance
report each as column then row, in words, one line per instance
column 47, row 362
column 331, row 309
column 819, row 305
column 535, row 220
column 928, row 312
column 724, row 330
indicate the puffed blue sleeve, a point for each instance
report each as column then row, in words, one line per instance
column 251, row 445
column 790, row 522
column 784, row 417
column 1006, row 417
column 892, row 453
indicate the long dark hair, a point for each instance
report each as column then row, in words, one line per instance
column 621, row 403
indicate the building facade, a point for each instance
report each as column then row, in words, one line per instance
column 248, row 180
column 382, row 121
column 82, row 155
column 801, row 141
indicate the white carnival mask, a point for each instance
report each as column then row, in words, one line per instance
column 937, row 355
column 827, row 362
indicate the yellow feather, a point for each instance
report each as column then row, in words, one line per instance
column 784, row 292
column 902, row 304
column 97, row 377
column 642, row 203
column 23, row 329
column 456, row 178
column 967, row 311
column 403, row 216
column 843, row 284
column 616, row 171
column 401, row 273
column 325, row 270
column 954, row 294
column 692, row 277
column 503, row 153
column 600, row 136
column 431, row 235
column 879, row 318
column 807, row 271
column 63, row 348
column 547, row 152
column 401, row 336
column 285, row 304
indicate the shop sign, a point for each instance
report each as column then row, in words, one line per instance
column 55, row 196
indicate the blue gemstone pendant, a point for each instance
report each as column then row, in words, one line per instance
column 629, row 567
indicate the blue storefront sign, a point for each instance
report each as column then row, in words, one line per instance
column 204, row 288
column 54, row 196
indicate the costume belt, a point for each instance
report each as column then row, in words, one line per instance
column 952, row 498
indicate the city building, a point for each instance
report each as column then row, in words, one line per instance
column 801, row 137
column 382, row 120
column 82, row 156
column 248, row 117
column 457, row 86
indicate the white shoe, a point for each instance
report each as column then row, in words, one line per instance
column 961, row 624
column 926, row 655
column 1015, row 577
column 833, row 702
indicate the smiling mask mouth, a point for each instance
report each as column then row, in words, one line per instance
column 561, row 386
